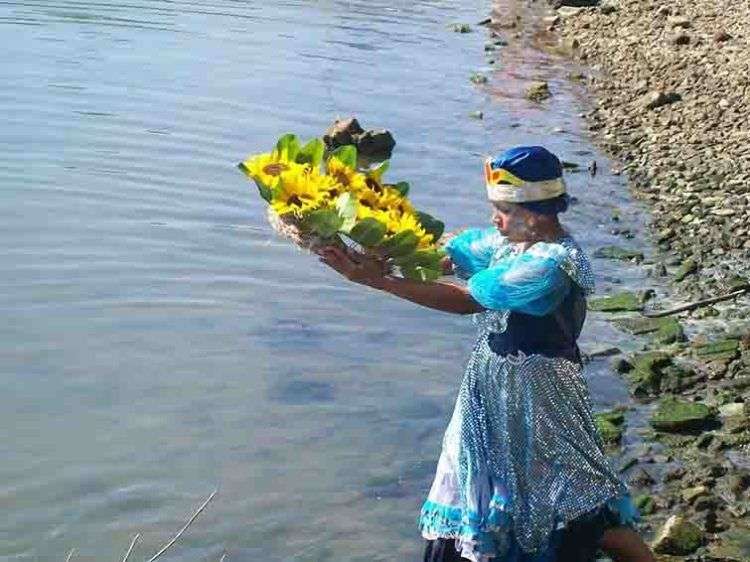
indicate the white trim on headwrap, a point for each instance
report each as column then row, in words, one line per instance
column 529, row 191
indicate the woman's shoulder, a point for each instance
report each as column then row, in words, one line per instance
column 570, row 257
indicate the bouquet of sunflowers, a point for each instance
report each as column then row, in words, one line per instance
column 317, row 198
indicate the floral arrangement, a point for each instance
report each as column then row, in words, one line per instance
column 316, row 199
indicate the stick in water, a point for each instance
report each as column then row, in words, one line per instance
column 179, row 533
column 697, row 304
column 132, row 544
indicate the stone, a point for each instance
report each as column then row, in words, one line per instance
column 721, row 350
column 618, row 253
column 652, row 100
column 678, row 537
column 688, row 267
column 476, row 115
column 478, row 78
column 732, row 409
column 689, row 495
column 664, row 330
column 732, row 545
column 342, row 132
column 673, row 415
column 681, row 39
column 607, row 8
column 568, row 11
column 538, row 91
column 679, row 22
column 618, row 302
column 722, row 36
column 461, row 28
column 610, row 425
column 375, row 144
column 645, row 504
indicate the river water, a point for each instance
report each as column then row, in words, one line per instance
column 159, row 342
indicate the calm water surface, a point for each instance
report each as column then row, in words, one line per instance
column 158, row 342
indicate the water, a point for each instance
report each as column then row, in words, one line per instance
column 158, row 342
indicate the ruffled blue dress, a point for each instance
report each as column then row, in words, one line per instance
column 521, row 457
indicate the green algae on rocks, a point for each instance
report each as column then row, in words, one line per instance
column 674, row 415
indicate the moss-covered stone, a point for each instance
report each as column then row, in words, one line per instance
column 688, row 267
column 663, row 330
column 538, row 91
column 647, row 372
column 722, row 350
column 734, row 545
column 611, row 426
column 619, row 302
column 673, row 415
column 645, row 504
column 618, row 253
column 678, row 537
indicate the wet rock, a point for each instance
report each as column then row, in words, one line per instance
column 618, row 253
column 681, row 39
column 678, row 537
column 689, row 495
column 647, row 372
column 375, row 143
column 478, row 78
column 641, row 479
column 461, row 28
column 618, row 302
column 721, row 350
column 664, row 330
column 673, row 415
column 733, row 545
column 611, row 426
column 688, row 267
column 538, row 91
column 342, row 132
column 645, row 504
column 653, row 100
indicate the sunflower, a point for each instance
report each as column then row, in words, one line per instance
column 349, row 178
column 267, row 168
column 302, row 189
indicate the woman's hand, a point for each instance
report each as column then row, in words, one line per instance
column 354, row 266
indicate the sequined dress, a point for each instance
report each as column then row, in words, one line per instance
column 521, row 456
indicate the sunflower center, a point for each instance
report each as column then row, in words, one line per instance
column 341, row 177
column 275, row 169
column 294, row 200
column 375, row 186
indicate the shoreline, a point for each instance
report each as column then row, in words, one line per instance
column 659, row 76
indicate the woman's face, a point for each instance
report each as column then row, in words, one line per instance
column 513, row 221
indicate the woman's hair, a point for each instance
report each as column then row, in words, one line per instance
column 552, row 206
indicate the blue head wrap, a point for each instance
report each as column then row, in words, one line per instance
column 524, row 174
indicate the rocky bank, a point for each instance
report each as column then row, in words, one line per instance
column 670, row 84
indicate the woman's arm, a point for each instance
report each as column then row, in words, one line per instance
column 446, row 297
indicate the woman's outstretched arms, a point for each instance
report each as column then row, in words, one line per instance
column 446, row 297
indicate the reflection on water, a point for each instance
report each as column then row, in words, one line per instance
column 158, row 341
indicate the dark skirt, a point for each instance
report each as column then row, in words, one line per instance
column 576, row 542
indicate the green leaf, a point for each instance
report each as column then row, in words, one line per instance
column 422, row 258
column 346, row 205
column 367, row 232
column 288, row 147
column 311, row 153
column 401, row 244
column 431, row 225
column 420, row 273
column 347, row 155
column 377, row 172
column 402, row 187
column 324, row 222
column 265, row 191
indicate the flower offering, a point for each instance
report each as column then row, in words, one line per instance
column 316, row 198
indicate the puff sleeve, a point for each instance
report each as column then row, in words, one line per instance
column 472, row 250
column 526, row 283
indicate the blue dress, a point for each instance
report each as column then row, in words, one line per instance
column 521, row 457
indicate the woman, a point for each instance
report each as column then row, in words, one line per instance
column 522, row 475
